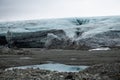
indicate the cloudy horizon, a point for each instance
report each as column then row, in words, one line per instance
column 39, row 9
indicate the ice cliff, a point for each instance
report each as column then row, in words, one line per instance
column 65, row 33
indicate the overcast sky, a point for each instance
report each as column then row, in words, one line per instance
column 37, row 9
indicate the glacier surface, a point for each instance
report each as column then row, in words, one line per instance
column 94, row 31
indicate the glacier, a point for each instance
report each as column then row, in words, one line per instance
column 65, row 33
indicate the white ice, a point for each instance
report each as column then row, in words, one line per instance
column 95, row 25
column 100, row 49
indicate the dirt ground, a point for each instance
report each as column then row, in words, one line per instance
column 71, row 57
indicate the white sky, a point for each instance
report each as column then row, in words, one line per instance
column 37, row 9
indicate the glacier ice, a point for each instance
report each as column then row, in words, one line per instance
column 95, row 31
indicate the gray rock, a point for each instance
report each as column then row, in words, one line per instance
column 107, row 71
column 96, row 72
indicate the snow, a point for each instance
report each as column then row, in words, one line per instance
column 100, row 49
column 54, row 67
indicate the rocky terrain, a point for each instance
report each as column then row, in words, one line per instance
column 96, row 72
column 104, row 65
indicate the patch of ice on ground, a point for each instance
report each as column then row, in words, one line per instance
column 54, row 67
column 73, row 59
column 98, row 49
column 25, row 58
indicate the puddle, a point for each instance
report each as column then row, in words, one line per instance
column 54, row 67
